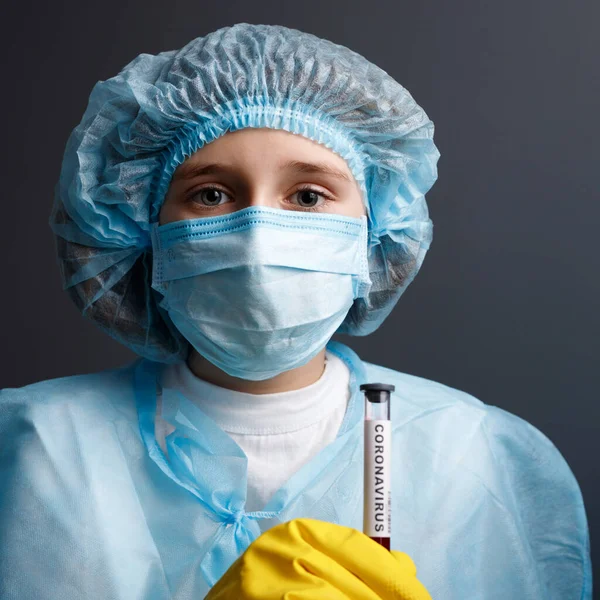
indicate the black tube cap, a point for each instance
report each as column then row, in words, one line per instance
column 377, row 387
column 377, row 392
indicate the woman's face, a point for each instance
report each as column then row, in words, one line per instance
column 261, row 167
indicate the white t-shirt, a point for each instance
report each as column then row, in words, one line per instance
column 279, row 433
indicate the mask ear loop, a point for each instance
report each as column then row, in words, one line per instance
column 365, row 279
column 157, row 282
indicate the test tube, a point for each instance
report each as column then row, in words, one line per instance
column 377, row 521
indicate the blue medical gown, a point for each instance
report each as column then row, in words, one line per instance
column 91, row 507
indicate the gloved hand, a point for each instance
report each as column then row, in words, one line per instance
column 306, row 559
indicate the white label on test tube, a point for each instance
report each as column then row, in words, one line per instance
column 378, row 450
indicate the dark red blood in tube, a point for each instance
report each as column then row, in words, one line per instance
column 384, row 541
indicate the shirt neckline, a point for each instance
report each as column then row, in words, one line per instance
column 264, row 414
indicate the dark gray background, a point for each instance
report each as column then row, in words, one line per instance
column 506, row 304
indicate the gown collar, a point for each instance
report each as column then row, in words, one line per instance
column 208, row 463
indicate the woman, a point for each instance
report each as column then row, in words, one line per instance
column 223, row 210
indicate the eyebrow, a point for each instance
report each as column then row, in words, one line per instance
column 190, row 170
column 325, row 169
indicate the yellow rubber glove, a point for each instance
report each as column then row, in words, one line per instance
column 306, row 559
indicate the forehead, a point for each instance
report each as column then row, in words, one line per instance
column 262, row 145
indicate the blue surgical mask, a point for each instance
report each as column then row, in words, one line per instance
column 260, row 291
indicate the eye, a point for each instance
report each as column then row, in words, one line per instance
column 209, row 196
column 309, row 198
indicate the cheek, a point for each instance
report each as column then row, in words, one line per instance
column 350, row 203
column 171, row 211
column 357, row 205
column 362, row 210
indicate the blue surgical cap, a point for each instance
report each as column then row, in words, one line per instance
column 144, row 122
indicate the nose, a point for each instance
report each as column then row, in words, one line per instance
column 261, row 196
